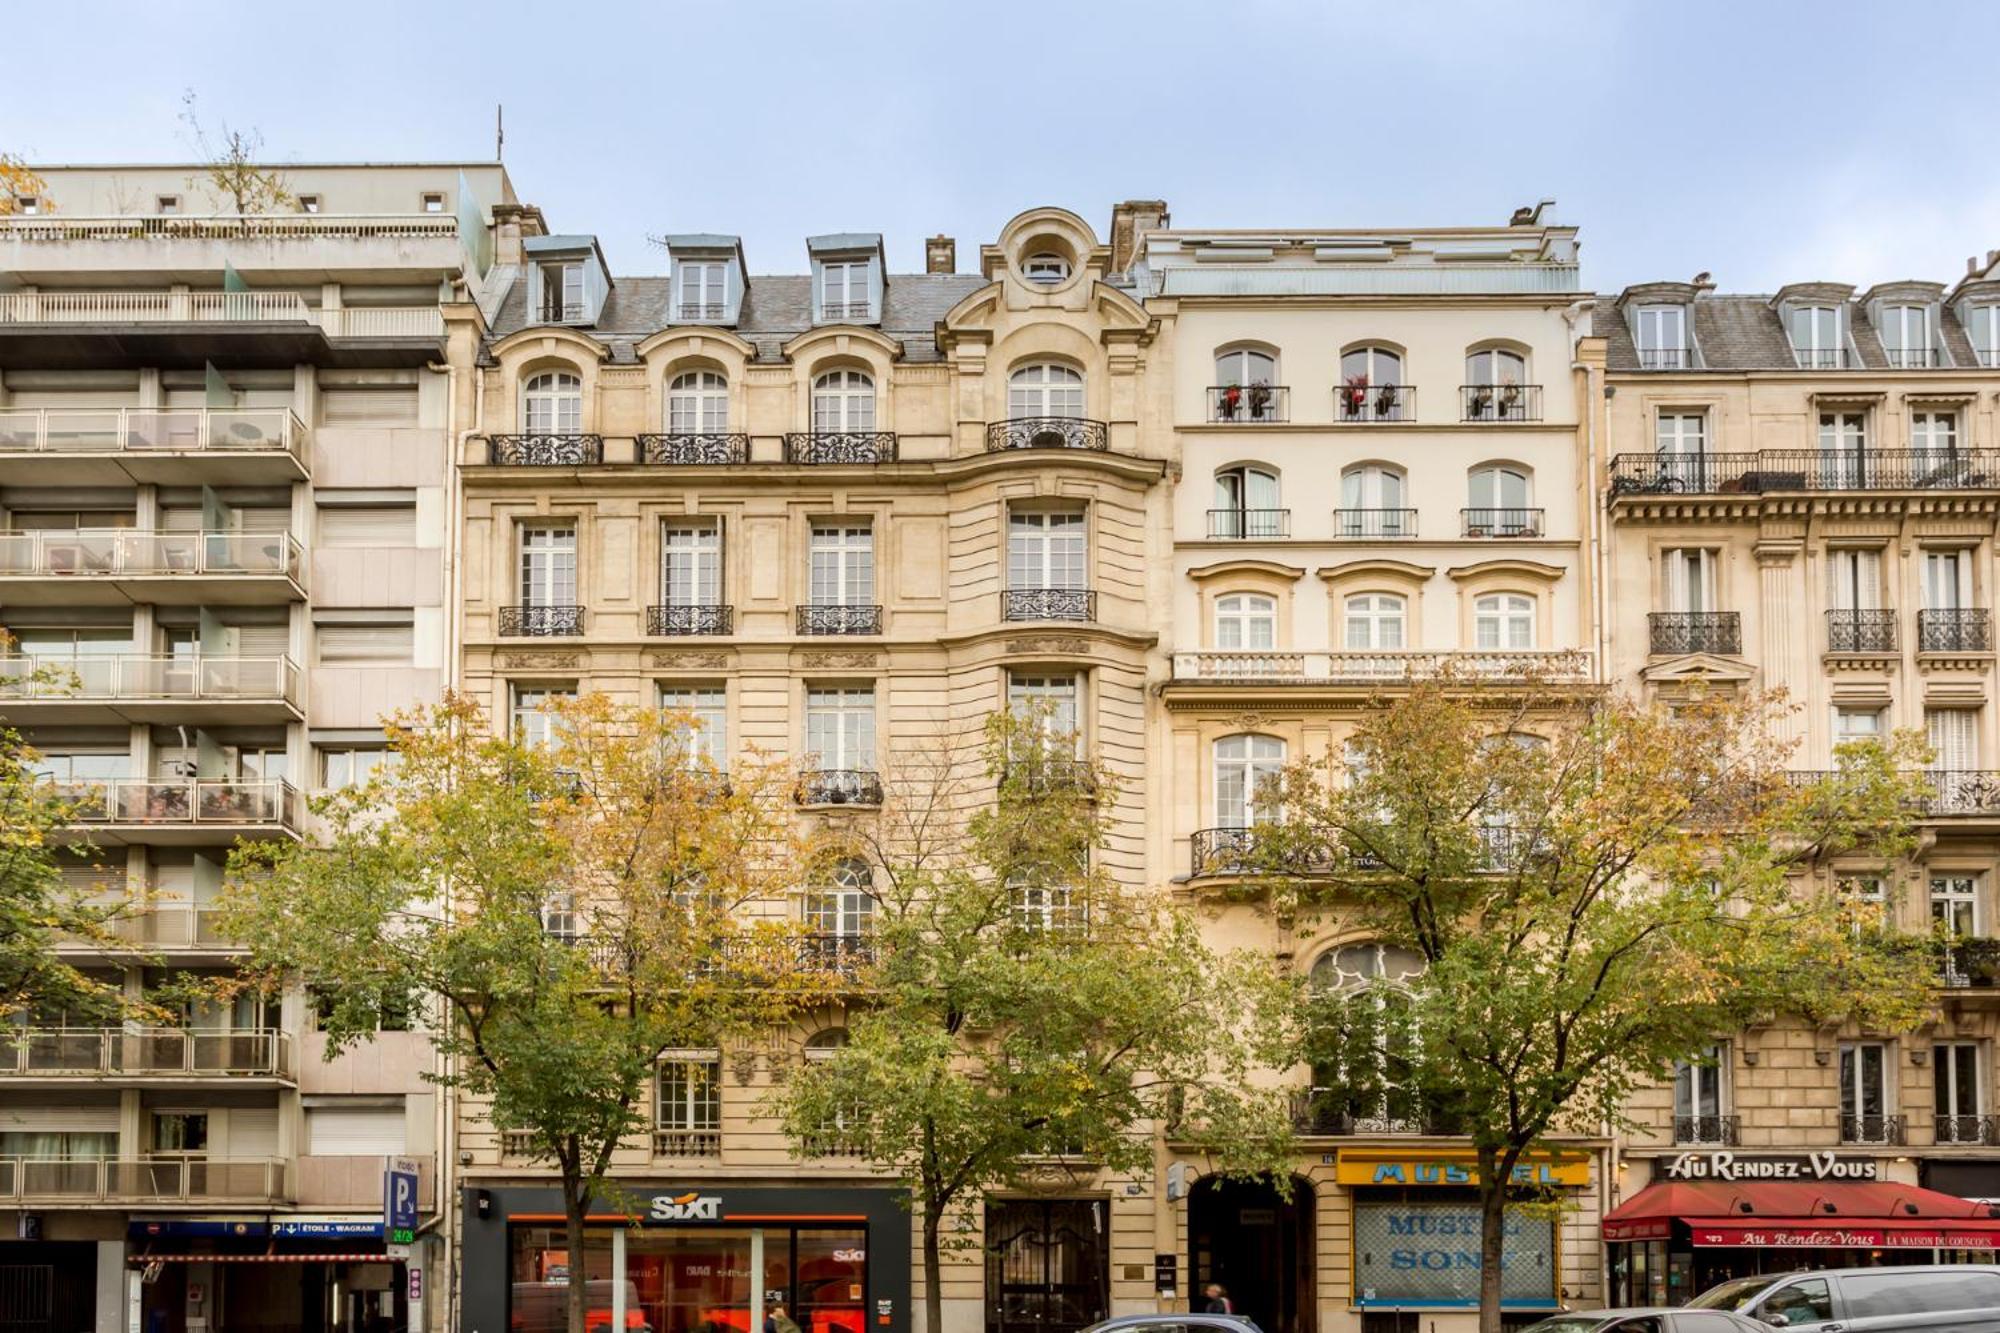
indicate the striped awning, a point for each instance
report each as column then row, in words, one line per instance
column 377, row 1258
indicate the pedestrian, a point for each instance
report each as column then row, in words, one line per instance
column 777, row 1321
column 1218, row 1299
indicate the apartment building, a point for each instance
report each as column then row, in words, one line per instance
column 842, row 514
column 224, row 484
column 1800, row 492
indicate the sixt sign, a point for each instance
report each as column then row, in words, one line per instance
column 1795, row 1166
column 686, row 1207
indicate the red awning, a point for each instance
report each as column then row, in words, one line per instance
column 1849, row 1214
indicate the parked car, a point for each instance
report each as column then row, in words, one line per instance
column 1963, row 1298
column 1176, row 1323
column 1649, row 1319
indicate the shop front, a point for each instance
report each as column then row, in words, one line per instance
column 312, row 1274
column 691, row 1260
column 1710, row 1216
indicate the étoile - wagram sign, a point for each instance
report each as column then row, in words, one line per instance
column 1787, row 1166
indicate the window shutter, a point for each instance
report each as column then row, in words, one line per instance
column 186, row 519
column 367, row 643
column 368, row 526
column 264, row 520
column 60, row 1120
column 253, row 1132
column 355, row 1131
column 263, row 640
column 386, row 405
column 1953, row 736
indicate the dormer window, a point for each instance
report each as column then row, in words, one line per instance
column 433, row 203
column 704, row 292
column 844, row 289
column 27, row 205
column 1661, row 333
column 1817, row 340
column 1045, row 268
column 1906, row 336
column 1983, row 327
column 308, row 203
column 562, row 292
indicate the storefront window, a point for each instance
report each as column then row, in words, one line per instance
column 542, row 1267
column 1424, row 1252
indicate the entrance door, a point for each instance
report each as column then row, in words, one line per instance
column 1258, row 1246
column 1046, row 1265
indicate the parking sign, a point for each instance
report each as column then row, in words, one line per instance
column 399, row 1205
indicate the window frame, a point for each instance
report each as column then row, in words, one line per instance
column 691, row 556
column 697, row 403
column 1048, row 549
column 1382, row 612
column 1510, row 608
column 1235, row 779
column 557, row 396
column 1045, row 389
column 843, row 401
column 1251, row 610
column 546, row 562
column 840, row 563
column 845, row 715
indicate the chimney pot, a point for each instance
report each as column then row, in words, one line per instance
column 1130, row 221
column 940, row 255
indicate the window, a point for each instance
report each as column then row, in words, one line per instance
column 1816, row 337
column 1371, row 385
column 1246, row 504
column 562, row 292
column 843, row 286
column 1357, row 965
column 843, row 906
column 1953, row 734
column 1864, row 1092
column 27, row 205
column 691, row 562
column 1244, row 366
column 347, row 645
column 166, row 203
column 690, row 1101
column 698, row 404
column 1856, row 724
column 1947, row 580
column 1935, row 436
column 533, row 712
column 548, row 566
column 1698, row 1098
column 842, row 565
column 433, row 202
column 355, row 767
column 182, row 1133
column 1984, row 330
column 1245, row 766
column 1867, row 900
column 1375, row 623
column 707, row 707
column 1051, row 698
column 1906, row 335
column 1044, row 390
column 1495, row 367
column 1045, row 550
column 1681, row 441
column 1661, row 332
column 1045, row 268
column 1362, row 1090
column 1497, row 503
column 308, row 203
column 1048, row 908
column 840, row 727
column 843, row 400
column 704, row 288
column 1371, row 366
column 368, row 526
column 1690, row 579
column 1956, row 1091
column 1374, row 504
column 1843, row 439
column 1955, row 904
column 1504, row 622
column 552, row 404
column 1246, row 621
column 1855, row 579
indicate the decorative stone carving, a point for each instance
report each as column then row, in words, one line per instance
column 690, row 661
column 1048, row 645
column 541, row 661
column 839, row 659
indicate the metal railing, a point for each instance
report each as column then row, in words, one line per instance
column 839, row 786
column 220, row 308
column 114, row 430
column 135, row 677
column 862, row 310
column 689, row 311
column 1913, row 358
column 1719, row 632
column 165, row 1052
column 1666, row 358
column 173, row 925
column 677, row 620
column 1779, row 470
column 1962, row 630
column 1334, row 1113
column 1318, row 668
column 51, row 227
column 837, row 447
column 1501, row 522
column 1947, row 791
column 1978, row 1130
column 1716, row 1129
column 1047, row 433
column 1249, row 404
column 831, row 952
column 1249, row 524
column 1500, row 402
column 1385, row 523
column 1822, row 358
column 197, row 801
column 1048, row 604
column 683, row 1144
column 540, row 622
column 129, row 552
column 544, row 450
column 683, row 449
column 1886, row 1129
column 839, row 620
column 559, row 311
column 1860, row 631
column 1356, row 403
column 163, row 1179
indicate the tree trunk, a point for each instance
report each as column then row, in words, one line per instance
column 575, row 1200
column 1492, row 1238
column 933, row 1272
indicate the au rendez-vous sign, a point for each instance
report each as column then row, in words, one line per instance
column 1792, row 1166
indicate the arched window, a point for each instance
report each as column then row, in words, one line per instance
column 825, row 1042
column 1245, row 767
column 552, row 404
column 1498, row 503
column 1371, row 385
column 1503, row 622
column 1375, row 623
column 1496, row 386
column 1246, row 621
column 1246, row 504
column 1367, row 1038
column 1044, row 390
column 698, row 404
column 843, row 400
column 1373, row 503
column 1244, row 387
column 843, row 905
column 1046, row 267
column 1353, row 966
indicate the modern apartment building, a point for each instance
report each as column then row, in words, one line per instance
column 225, row 477
column 1799, row 492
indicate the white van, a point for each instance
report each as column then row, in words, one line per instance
column 1963, row 1298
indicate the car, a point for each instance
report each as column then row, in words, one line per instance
column 1649, row 1319
column 1963, row 1298
column 1176, row 1323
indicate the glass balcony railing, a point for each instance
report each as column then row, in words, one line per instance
column 135, row 553
column 140, row 677
column 140, row 430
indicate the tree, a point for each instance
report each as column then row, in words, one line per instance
column 1592, row 890
column 19, row 181
column 570, row 911
column 230, row 171
column 1023, row 1009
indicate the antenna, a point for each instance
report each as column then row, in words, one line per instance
column 499, row 131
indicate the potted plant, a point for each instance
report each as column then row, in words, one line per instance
column 1355, row 396
column 1228, row 401
column 1510, row 398
column 1480, row 401
column 1385, row 401
column 1260, row 399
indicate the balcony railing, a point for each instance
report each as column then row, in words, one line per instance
column 133, row 678
column 1355, row 404
column 1822, row 358
column 115, row 430
column 1382, row 523
column 830, row 952
column 683, row 1144
column 851, row 310
column 1913, row 358
column 1964, row 630
column 1047, row 433
column 371, row 322
column 1666, row 358
column 1885, row 1129
column 133, row 553
column 839, row 786
column 692, row 311
column 1719, row 632
column 53, row 227
column 676, row 449
column 1981, row 1131
column 541, row 622
column 1946, row 792
column 1780, row 470
column 1320, row 669
column 142, row 1179
column 1861, row 631
column 1716, row 1129
column 1501, row 522
column 173, row 925
column 544, row 450
column 1336, row 1113
column 839, row 620
column 559, row 311
column 184, row 801
column 1249, row 404
column 1249, row 524
column 145, row 1052
column 837, row 447
column 1500, row 402
column 1048, row 604
column 678, row 620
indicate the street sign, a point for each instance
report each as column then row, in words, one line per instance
column 399, row 1205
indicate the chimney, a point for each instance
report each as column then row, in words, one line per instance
column 940, row 255
column 1130, row 221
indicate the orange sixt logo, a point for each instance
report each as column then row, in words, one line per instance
column 689, row 1207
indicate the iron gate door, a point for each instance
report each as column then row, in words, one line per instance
column 1046, row 1265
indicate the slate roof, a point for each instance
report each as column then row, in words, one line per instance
column 1745, row 333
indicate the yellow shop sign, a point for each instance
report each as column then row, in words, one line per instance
column 1387, row 1166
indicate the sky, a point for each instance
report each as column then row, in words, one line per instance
column 1761, row 140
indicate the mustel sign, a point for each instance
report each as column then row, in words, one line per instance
column 1789, row 1166
column 1389, row 1166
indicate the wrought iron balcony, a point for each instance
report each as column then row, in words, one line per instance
column 1502, row 522
column 1048, row 604
column 1047, row 433
column 1340, row 1113
column 1716, row 1129
column 827, row 951
column 1221, row 851
column 684, row 1144
column 540, row 622
column 1964, row 630
column 840, row 620
column 1981, row 1131
column 1383, row 523
column 689, row 312
column 1861, row 631
column 849, row 310
column 839, row 786
column 690, row 449
column 838, row 447
column 677, row 620
column 1962, row 791
column 1308, row 670
column 1249, row 524
column 1249, row 404
column 560, row 311
column 1718, row 632
column 1914, row 358
column 1822, row 358
column 1681, row 474
column 1772, row 471
column 541, row 450
column 1361, row 403
column 1666, row 358
column 1884, row 1129
column 1500, row 402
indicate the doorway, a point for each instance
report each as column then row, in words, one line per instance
column 1047, row 1261
column 1259, row 1246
